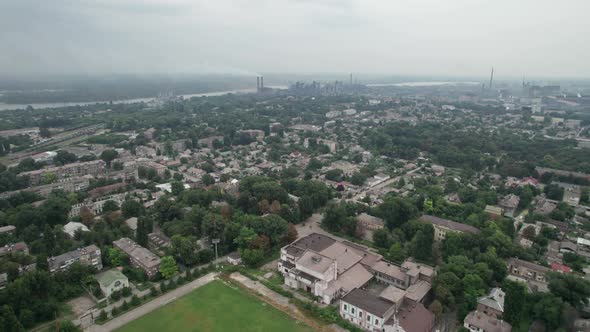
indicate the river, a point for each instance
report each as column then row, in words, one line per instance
column 6, row 107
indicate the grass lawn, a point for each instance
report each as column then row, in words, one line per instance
column 216, row 307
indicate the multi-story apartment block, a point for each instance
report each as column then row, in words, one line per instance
column 89, row 255
column 139, row 256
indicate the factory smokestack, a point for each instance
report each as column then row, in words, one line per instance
column 257, row 83
column 261, row 83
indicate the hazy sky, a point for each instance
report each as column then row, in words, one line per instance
column 424, row 37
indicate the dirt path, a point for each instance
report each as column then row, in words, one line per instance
column 279, row 301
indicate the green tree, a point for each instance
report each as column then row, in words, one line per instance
column 396, row 253
column 177, row 187
column 515, row 301
column 396, row 211
column 185, row 248
column 110, row 206
column 8, row 320
column 358, row 179
column 108, row 156
column 252, row 257
column 49, row 178
column 116, row 257
column 570, row 288
column 132, row 208
column 168, row 267
column 64, row 157
column 422, row 244
column 207, row 180
column 381, row 238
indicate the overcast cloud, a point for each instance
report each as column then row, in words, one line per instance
column 423, row 37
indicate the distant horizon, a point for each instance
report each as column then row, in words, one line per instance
column 363, row 77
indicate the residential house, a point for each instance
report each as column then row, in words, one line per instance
column 111, row 281
column 7, row 229
column 493, row 303
column 19, row 247
column 132, row 224
column 495, row 212
column 509, row 203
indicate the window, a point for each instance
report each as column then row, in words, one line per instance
column 352, row 311
column 360, row 314
column 345, row 308
column 368, row 318
column 376, row 322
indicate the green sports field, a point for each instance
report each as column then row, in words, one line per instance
column 216, row 307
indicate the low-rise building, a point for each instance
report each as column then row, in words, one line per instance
column 534, row 275
column 90, row 255
column 493, row 303
column 444, row 226
column 111, row 281
column 72, row 227
column 7, row 229
column 139, row 256
column 234, row 258
column 325, row 267
column 495, row 212
column 158, row 240
column 382, row 312
column 19, row 247
column 370, row 222
column 95, row 167
column 477, row 321
column 509, row 203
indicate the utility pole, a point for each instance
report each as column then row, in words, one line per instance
column 215, row 242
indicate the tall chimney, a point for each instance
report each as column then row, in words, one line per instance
column 261, row 83
column 257, row 83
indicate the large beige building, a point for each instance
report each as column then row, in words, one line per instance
column 139, row 256
column 95, row 167
column 443, row 226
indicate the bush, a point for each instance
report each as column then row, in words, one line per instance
column 116, row 296
column 135, row 301
column 328, row 314
column 126, row 291
column 102, row 316
column 153, row 291
column 125, row 306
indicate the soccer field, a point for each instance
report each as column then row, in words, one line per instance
column 216, row 307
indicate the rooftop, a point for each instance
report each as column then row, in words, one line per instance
column 368, row 302
column 487, row 323
column 315, row 242
column 452, row 225
column 106, row 278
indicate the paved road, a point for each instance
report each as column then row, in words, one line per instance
column 154, row 304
